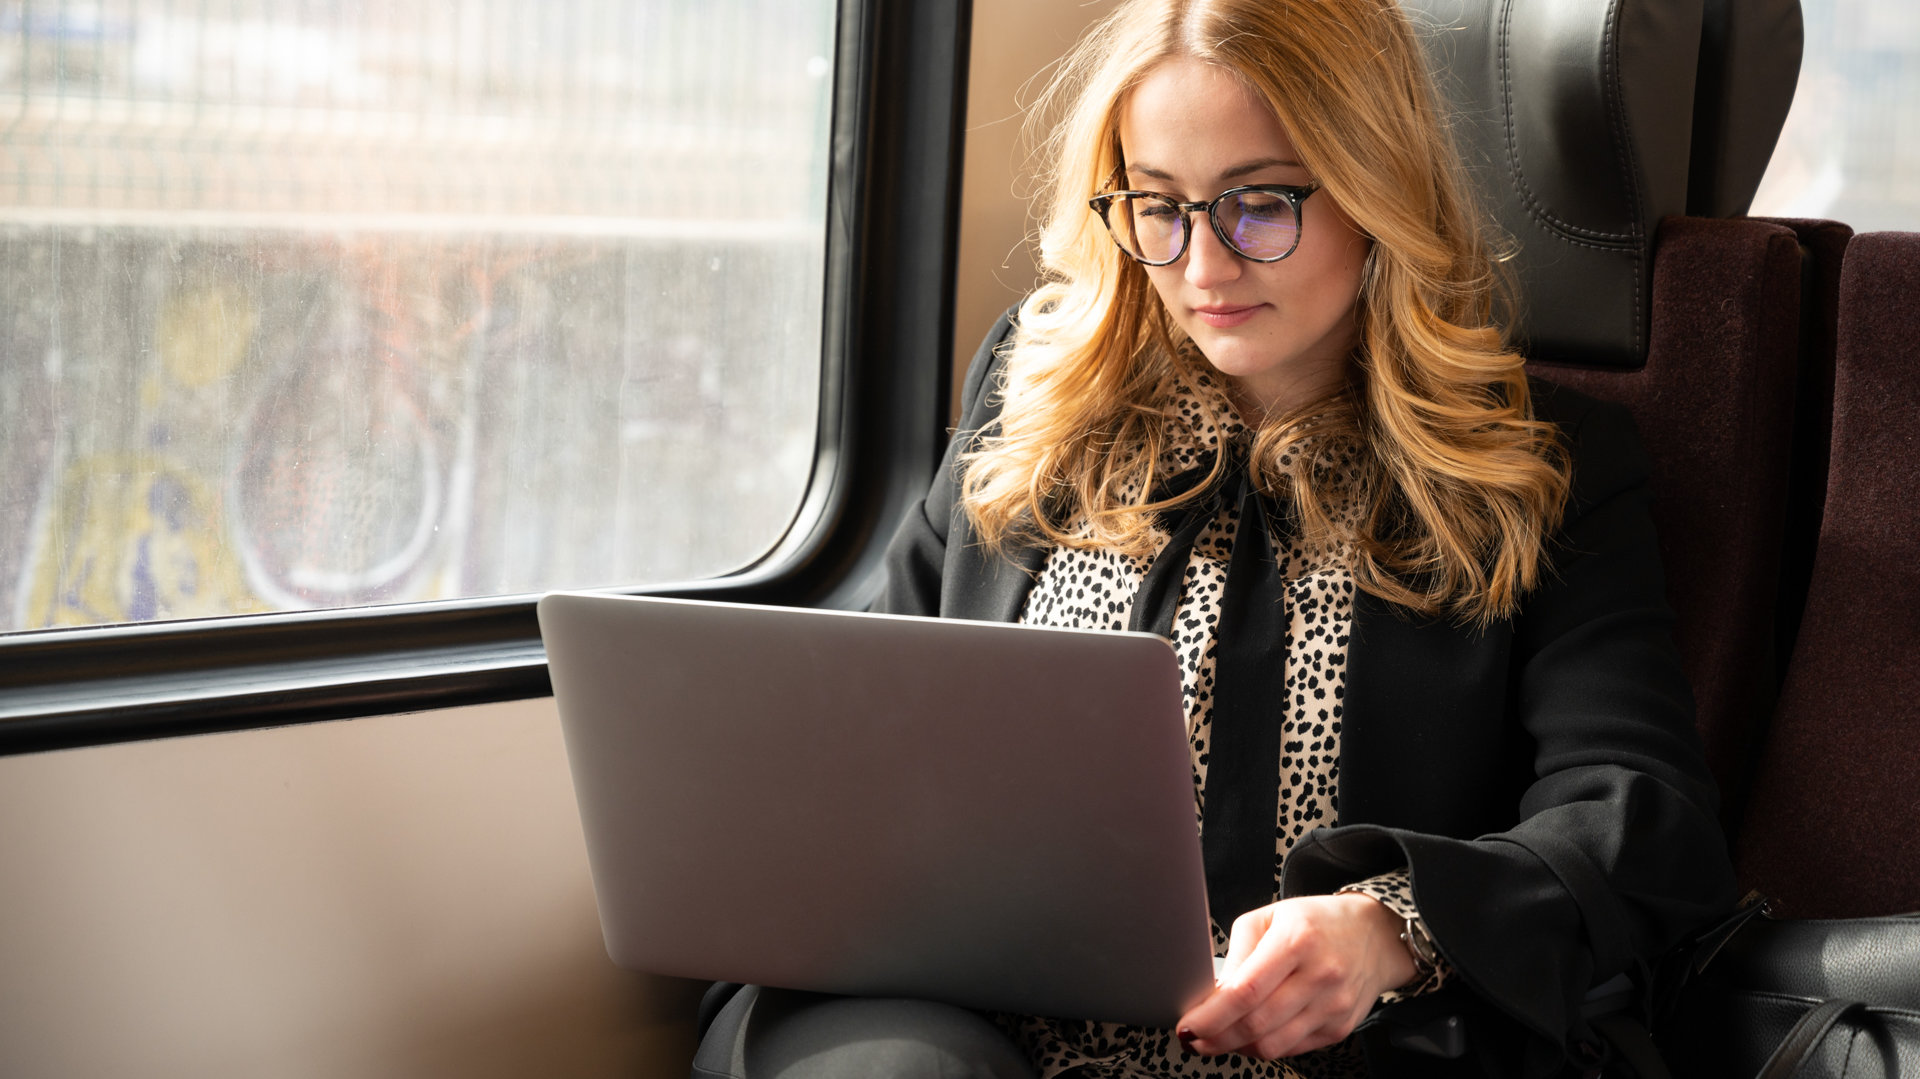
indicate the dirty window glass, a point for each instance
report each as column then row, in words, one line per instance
column 327, row 304
column 1850, row 150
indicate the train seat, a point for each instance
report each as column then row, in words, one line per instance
column 1714, row 403
column 1833, row 829
column 1595, row 128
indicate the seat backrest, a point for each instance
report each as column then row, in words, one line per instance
column 1714, row 403
column 1588, row 123
column 1834, row 825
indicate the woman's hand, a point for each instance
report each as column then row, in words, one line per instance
column 1299, row 975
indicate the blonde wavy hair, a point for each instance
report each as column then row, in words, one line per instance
column 1455, row 484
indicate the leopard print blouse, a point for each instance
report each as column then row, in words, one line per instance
column 1095, row 589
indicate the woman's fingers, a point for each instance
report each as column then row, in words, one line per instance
column 1252, row 995
column 1313, row 996
column 1271, row 1029
column 1288, row 1039
column 1298, row 976
column 1242, row 938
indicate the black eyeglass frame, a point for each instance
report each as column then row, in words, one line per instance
column 1294, row 194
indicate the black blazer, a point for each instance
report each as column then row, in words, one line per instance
column 1542, row 779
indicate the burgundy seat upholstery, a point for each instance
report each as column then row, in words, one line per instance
column 1824, row 244
column 1833, row 829
column 1714, row 403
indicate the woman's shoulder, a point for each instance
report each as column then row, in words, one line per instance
column 1600, row 438
column 1568, row 408
column 978, row 404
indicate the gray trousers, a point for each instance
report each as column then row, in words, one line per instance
column 785, row 1034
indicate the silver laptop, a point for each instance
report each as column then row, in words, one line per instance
column 996, row 816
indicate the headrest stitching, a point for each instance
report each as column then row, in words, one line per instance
column 1534, row 208
column 1613, row 82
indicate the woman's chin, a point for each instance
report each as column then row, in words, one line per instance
column 1237, row 359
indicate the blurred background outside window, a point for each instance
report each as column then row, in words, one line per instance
column 319, row 304
column 1851, row 147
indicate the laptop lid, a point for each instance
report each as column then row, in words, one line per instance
column 995, row 816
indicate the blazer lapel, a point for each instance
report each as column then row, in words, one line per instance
column 986, row 587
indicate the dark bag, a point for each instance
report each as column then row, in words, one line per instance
column 1774, row 998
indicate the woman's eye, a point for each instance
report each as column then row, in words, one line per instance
column 1263, row 206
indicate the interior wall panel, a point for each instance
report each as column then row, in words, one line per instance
column 1015, row 44
column 399, row 896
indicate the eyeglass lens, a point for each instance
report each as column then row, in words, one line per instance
column 1258, row 224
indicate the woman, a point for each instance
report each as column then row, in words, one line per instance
column 1262, row 407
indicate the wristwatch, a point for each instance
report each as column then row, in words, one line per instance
column 1426, row 957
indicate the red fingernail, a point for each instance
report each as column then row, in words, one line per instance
column 1186, row 1037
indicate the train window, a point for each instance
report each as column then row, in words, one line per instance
column 1850, row 150
column 325, row 305
column 331, row 333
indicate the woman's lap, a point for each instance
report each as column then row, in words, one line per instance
column 784, row 1034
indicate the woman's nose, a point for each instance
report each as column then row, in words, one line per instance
column 1210, row 263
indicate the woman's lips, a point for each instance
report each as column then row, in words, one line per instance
column 1227, row 316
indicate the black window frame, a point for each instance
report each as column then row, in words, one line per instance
column 892, row 235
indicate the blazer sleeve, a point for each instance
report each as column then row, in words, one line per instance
column 1615, row 850
column 916, row 557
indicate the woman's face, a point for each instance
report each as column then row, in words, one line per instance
column 1280, row 332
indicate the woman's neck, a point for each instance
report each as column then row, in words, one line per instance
column 1257, row 405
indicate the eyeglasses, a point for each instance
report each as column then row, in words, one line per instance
column 1261, row 222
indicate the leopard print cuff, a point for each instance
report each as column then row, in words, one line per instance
column 1394, row 890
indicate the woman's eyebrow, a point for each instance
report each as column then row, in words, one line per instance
column 1261, row 165
column 1245, row 168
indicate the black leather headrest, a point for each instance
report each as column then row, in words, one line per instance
column 1576, row 120
column 1749, row 65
